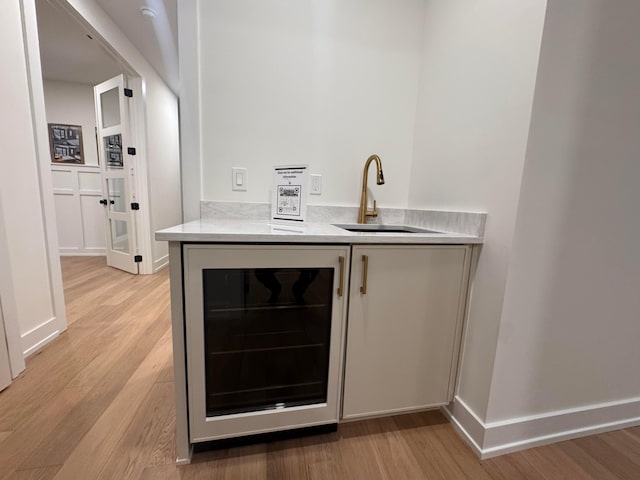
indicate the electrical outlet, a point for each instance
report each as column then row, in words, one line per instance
column 239, row 179
column 316, row 184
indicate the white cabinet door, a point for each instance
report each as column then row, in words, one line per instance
column 405, row 319
column 5, row 371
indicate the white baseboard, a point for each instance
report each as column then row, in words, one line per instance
column 160, row 263
column 82, row 252
column 466, row 423
column 491, row 439
column 38, row 337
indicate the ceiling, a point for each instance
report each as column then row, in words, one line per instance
column 68, row 54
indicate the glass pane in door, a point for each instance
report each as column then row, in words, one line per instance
column 110, row 107
column 267, row 337
column 115, row 186
column 113, row 151
column 119, row 236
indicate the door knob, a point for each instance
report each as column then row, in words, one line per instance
column 103, row 201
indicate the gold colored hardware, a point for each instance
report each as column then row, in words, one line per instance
column 365, row 268
column 341, row 286
column 363, row 213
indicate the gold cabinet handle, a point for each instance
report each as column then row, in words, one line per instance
column 365, row 267
column 341, row 285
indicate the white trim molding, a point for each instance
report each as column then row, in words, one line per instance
column 86, row 252
column 160, row 263
column 41, row 138
column 38, row 337
column 490, row 439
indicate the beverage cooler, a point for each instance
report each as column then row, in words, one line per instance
column 265, row 330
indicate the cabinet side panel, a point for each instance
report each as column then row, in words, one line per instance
column 183, row 447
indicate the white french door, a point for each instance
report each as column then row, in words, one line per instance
column 5, row 370
column 117, row 166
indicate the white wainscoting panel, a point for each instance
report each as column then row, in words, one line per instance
column 80, row 217
column 69, row 228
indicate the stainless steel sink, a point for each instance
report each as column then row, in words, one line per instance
column 374, row 228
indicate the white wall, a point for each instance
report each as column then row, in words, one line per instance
column 570, row 329
column 158, row 135
column 29, row 278
column 190, row 127
column 72, row 103
column 325, row 83
column 478, row 72
column 164, row 167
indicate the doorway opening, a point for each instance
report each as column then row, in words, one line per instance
column 89, row 120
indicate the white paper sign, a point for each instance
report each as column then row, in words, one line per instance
column 290, row 190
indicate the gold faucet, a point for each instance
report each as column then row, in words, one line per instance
column 364, row 213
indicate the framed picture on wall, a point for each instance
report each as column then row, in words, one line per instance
column 65, row 142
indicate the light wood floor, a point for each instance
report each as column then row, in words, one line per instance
column 97, row 403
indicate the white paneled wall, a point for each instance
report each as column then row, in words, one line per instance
column 76, row 189
column 80, row 217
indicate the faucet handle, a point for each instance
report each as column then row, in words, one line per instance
column 374, row 212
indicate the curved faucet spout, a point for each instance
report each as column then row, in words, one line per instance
column 363, row 213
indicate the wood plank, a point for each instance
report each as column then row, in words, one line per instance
column 355, row 446
column 13, row 452
column 586, row 462
column 164, row 448
column 394, row 455
column 4, row 436
column 195, row 471
column 321, row 453
column 70, row 355
column 165, row 472
column 133, row 452
column 552, row 463
column 18, row 402
column 511, row 467
column 611, row 458
column 426, row 435
column 42, row 473
column 56, row 447
column 241, row 462
column 94, row 450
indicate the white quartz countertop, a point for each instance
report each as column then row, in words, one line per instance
column 240, row 231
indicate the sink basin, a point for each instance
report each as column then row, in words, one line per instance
column 374, row 228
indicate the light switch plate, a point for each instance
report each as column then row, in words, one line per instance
column 315, row 182
column 239, row 179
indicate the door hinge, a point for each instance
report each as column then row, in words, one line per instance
column 135, row 206
column 131, row 150
column 128, row 92
column 137, row 258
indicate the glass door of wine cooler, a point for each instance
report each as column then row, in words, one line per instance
column 264, row 337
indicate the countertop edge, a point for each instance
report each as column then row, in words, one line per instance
column 348, row 239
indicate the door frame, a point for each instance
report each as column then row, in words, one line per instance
column 9, row 307
column 41, row 140
column 6, row 374
column 84, row 15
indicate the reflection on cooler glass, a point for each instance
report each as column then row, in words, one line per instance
column 267, row 335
